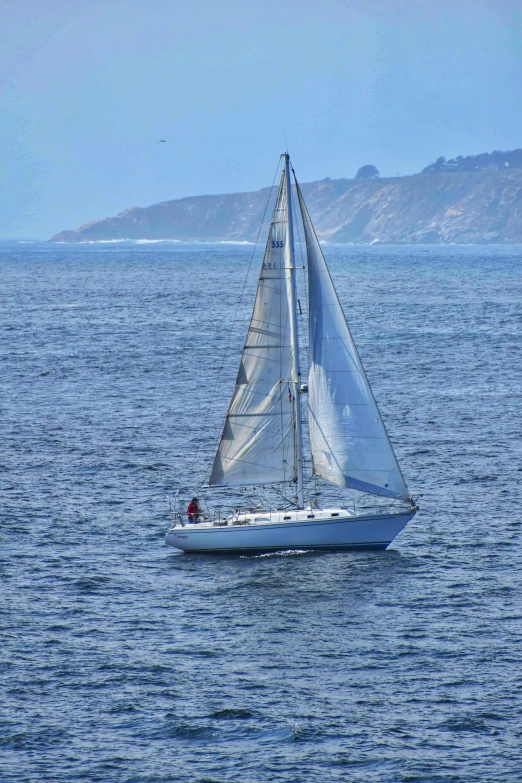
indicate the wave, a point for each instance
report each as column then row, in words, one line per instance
column 158, row 241
column 229, row 242
column 112, row 241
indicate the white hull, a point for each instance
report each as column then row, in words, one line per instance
column 361, row 531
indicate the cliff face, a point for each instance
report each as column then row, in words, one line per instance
column 475, row 207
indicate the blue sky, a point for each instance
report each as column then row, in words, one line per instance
column 88, row 87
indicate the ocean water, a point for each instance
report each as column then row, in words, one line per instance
column 124, row 660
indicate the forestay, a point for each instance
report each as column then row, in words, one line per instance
column 349, row 443
column 258, row 440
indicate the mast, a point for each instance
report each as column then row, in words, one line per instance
column 296, row 374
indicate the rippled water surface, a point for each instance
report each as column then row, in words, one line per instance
column 124, row 660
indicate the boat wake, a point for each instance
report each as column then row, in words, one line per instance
column 284, row 553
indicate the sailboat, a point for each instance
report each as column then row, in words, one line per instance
column 261, row 442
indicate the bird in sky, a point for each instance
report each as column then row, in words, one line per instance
column 162, row 141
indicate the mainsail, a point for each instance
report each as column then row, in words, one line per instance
column 349, row 443
column 258, row 440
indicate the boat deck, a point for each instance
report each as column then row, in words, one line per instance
column 274, row 517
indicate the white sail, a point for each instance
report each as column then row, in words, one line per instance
column 349, row 443
column 258, row 440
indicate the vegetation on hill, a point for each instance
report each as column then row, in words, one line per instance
column 495, row 160
column 367, row 172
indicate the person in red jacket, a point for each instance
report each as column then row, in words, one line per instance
column 193, row 510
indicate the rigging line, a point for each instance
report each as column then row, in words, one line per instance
column 297, row 226
column 284, row 271
column 230, row 331
column 303, row 320
column 303, row 269
column 282, row 274
column 303, row 266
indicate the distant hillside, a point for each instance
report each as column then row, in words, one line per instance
column 475, row 207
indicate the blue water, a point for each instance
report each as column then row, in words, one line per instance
column 123, row 660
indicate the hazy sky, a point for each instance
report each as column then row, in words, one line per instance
column 88, row 87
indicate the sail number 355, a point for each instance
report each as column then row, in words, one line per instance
column 278, row 243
